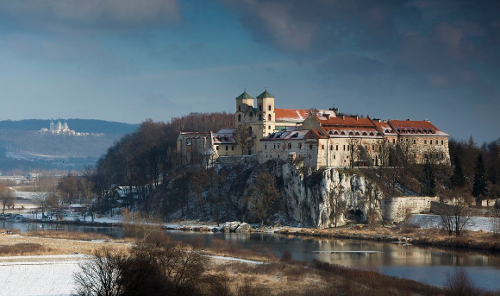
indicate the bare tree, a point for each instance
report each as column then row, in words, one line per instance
column 7, row 197
column 243, row 137
column 263, row 193
column 455, row 216
column 102, row 275
column 338, row 204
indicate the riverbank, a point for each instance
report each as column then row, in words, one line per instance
column 250, row 272
column 473, row 240
column 469, row 240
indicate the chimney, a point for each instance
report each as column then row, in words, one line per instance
column 343, row 117
column 357, row 117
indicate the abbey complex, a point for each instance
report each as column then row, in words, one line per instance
column 319, row 138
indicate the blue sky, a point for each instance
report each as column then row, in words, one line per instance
column 128, row 60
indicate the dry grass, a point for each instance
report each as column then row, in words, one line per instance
column 433, row 237
column 23, row 249
column 72, row 235
column 224, row 248
column 54, row 246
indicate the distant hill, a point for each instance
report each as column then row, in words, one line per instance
column 24, row 148
column 79, row 125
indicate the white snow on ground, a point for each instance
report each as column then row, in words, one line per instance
column 75, row 256
column 235, row 259
column 475, row 223
column 42, row 278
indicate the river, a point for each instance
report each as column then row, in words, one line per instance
column 429, row 265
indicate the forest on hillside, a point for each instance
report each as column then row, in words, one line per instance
column 147, row 163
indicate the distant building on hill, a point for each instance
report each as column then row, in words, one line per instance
column 62, row 128
column 320, row 138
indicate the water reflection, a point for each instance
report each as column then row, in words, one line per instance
column 428, row 265
column 423, row 264
column 114, row 232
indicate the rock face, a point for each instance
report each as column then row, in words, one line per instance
column 238, row 227
column 328, row 197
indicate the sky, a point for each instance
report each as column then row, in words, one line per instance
column 129, row 60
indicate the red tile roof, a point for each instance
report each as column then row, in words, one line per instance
column 346, row 121
column 415, row 127
column 295, row 115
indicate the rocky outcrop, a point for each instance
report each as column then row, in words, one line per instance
column 237, row 227
column 328, row 198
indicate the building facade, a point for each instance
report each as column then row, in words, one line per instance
column 319, row 138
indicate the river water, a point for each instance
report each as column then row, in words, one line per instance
column 429, row 265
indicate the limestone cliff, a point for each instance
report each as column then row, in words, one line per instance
column 312, row 198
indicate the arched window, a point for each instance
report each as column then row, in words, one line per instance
column 239, row 117
column 239, row 108
column 269, row 117
column 260, row 116
column 269, row 107
column 251, row 114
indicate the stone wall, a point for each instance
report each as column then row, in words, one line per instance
column 396, row 209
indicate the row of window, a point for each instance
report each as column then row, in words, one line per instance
column 269, row 108
column 227, row 148
column 269, row 117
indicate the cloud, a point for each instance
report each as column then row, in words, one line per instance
column 62, row 15
column 320, row 25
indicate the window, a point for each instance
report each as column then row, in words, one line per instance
column 425, row 141
column 265, row 146
column 331, row 147
column 274, row 146
column 232, row 148
column 414, row 155
column 260, row 107
column 310, row 147
column 323, row 147
column 300, row 146
column 260, row 116
column 188, row 142
column 337, row 147
column 239, row 108
column 289, row 145
column 269, row 127
column 239, row 117
column 269, row 107
column 227, row 148
column 344, row 147
column 269, row 117
column 431, row 142
column 393, row 141
column 334, row 156
column 414, row 142
column 217, row 148
column 348, row 147
column 442, row 142
column 373, row 147
column 251, row 114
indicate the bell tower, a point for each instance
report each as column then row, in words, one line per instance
column 243, row 103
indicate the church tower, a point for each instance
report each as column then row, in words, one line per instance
column 244, row 103
column 266, row 117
